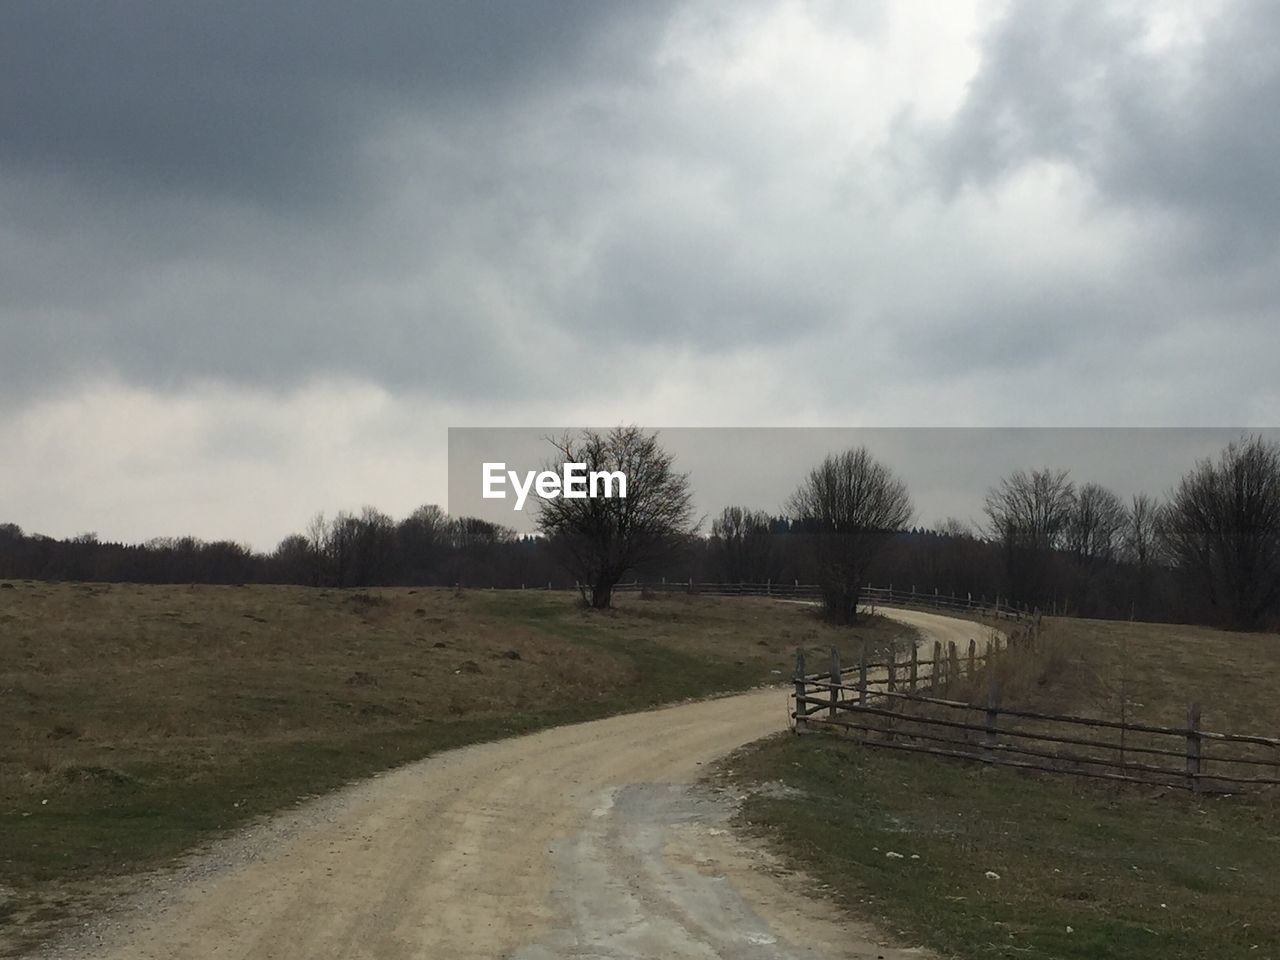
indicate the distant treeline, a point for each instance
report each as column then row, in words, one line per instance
column 1209, row 553
column 429, row 548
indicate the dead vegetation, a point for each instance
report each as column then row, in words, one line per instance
column 1144, row 673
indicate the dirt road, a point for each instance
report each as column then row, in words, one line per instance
column 587, row 841
column 933, row 627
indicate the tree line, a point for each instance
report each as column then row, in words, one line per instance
column 1209, row 551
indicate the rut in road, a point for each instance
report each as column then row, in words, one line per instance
column 585, row 841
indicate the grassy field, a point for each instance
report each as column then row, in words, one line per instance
column 1161, row 668
column 140, row 720
column 1150, row 671
column 1085, row 870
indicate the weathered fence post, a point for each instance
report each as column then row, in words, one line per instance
column 993, row 716
column 935, row 683
column 973, row 658
column 893, row 666
column 1193, row 747
column 915, row 666
column 801, row 722
column 835, row 682
column 862, row 676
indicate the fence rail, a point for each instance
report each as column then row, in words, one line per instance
column 901, row 704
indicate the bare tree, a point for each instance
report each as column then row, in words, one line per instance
column 340, row 548
column 947, row 556
column 1093, row 537
column 742, row 546
column 292, row 560
column 1140, row 544
column 352, row 551
column 1141, row 547
column 474, row 545
column 374, row 547
column 849, row 506
column 602, row 539
column 955, row 528
column 1029, row 514
column 317, row 537
column 1222, row 530
column 422, row 542
column 1095, row 526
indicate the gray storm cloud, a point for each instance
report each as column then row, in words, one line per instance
column 262, row 193
column 270, row 102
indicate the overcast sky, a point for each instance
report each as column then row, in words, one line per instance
column 257, row 257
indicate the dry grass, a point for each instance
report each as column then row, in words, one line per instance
column 141, row 719
column 1161, row 668
column 1047, row 677
column 1150, row 671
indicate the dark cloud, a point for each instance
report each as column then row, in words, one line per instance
column 270, row 102
column 210, row 191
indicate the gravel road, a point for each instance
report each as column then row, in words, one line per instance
column 585, row 841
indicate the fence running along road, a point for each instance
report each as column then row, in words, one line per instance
column 901, row 704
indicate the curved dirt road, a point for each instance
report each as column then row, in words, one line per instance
column 585, row 841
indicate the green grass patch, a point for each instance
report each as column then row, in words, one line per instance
column 1085, row 872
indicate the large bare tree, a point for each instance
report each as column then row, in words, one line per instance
column 1222, row 530
column 1140, row 544
column 1141, row 547
column 1029, row 515
column 602, row 539
column 848, row 506
column 1095, row 531
column 1096, row 525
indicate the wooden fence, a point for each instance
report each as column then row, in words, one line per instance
column 900, row 703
